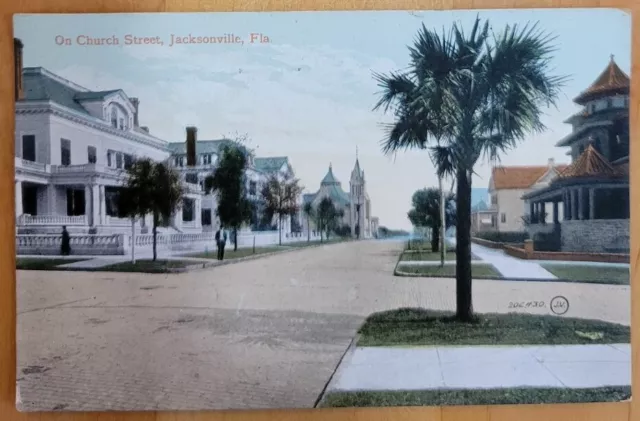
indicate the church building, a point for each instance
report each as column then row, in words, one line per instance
column 355, row 205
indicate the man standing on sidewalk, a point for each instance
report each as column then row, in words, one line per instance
column 221, row 241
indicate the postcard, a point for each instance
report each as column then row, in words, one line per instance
column 324, row 209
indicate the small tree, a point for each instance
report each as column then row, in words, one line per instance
column 151, row 188
column 425, row 212
column 228, row 181
column 280, row 195
column 326, row 215
column 309, row 213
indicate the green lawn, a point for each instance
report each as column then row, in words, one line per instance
column 229, row 253
column 35, row 263
column 427, row 255
column 449, row 270
column 585, row 273
column 317, row 242
column 410, row 326
column 147, row 266
column 413, row 255
column 476, row 397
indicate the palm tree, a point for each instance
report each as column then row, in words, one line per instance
column 425, row 212
column 467, row 96
column 308, row 211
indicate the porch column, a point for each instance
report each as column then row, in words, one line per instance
column 592, row 203
column 18, row 195
column 574, row 203
column 543, row 212
column 95, row 205
column 581, row 203
column 102, row 200
column 88, row 205
column 532, row 212
column 52, row 199
column 198, row 212
column 555, row 212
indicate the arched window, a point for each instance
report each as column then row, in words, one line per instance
column 118, row 116
column 114, row 117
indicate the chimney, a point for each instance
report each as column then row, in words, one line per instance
column 17, row 63
column 552, row 162
column 191, row 145
column 135, row 102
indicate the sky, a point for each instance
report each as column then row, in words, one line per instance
column 305, row 88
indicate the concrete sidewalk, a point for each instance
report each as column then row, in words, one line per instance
column 483, row 367
column 508, row 266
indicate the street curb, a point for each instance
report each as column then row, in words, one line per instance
column 206, row 265
column 402, row 274
column 352, row 345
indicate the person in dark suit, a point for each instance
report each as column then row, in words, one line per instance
column 221, row 241
column 65, row 246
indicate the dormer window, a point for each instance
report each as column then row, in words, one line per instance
column 114, row 117
column 118, row 116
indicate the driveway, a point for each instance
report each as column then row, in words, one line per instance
column 266, row 333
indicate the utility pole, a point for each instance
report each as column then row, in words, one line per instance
column 443, row 225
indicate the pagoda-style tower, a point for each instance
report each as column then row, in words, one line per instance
column 592, row 192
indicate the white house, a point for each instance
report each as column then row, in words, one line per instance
column 73, row 146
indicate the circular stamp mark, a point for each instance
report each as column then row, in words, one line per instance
column 559, row 305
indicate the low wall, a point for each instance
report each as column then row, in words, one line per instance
column 46, row 244
column 520, row 253
column 595, row 236
column 487, row 243
column 120, row 244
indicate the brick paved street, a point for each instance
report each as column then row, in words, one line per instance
column 266, row 333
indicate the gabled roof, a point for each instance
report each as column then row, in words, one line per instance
column 270, row 164
column 611, row 80
column 519, row 177
column 88, row 96
column 591, row 164
column 329, row 178
column 480, row 206
column 40, row 85
column 202, row 146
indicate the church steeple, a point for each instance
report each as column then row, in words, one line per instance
column 357, row 173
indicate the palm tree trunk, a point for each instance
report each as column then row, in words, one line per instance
column 443, row 225
column 435, row 239
column 155, row 236
column 235, row 238
column 464, row 305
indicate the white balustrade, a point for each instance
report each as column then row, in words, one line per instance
column 52, row 220
column 118, row 222
column 38, row 166
column 94, row 244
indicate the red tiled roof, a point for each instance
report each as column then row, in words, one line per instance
column 591, row 164
column 611, row 80
column 519, row 177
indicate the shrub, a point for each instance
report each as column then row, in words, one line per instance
column 504, row 237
